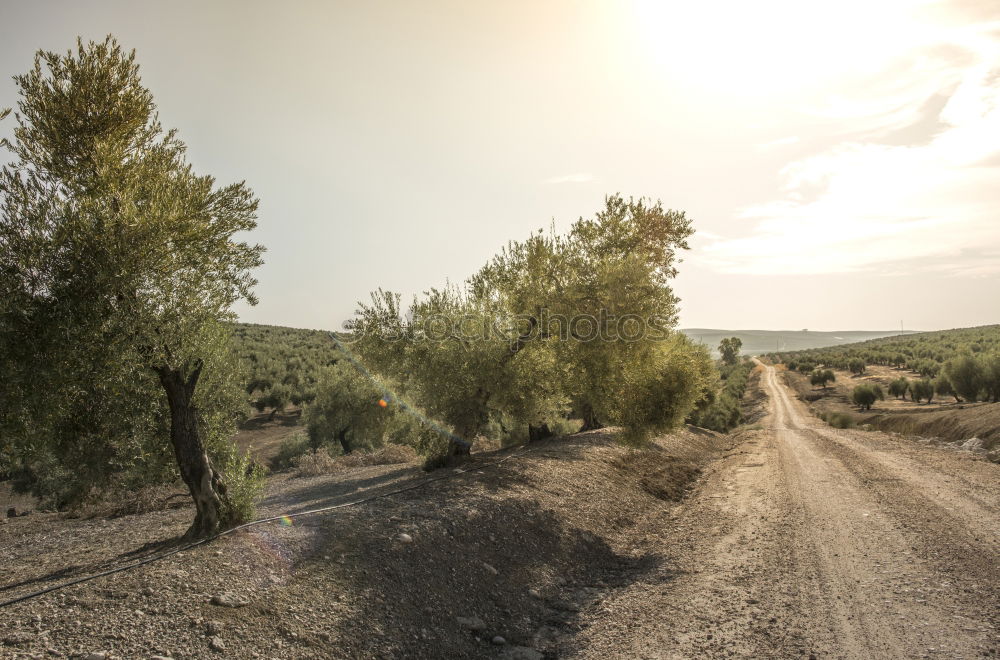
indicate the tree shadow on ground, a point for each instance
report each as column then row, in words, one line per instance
column 332, row 490
column 517, row 567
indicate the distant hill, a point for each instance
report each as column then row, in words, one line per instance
column 768, row 341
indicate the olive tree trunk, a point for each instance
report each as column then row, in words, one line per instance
column 540, row 432
column 345, row 444
column 590, row 421
column 205, row 485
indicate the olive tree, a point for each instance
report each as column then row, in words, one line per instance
column 277, row 399
column 118, row 262
column 899, row 387
column 864, row 396
column 966, row 375
column 821, row 377
column 991, row 376
column 350, row 408
column 458, row 363
column 556, row 323
column 943, row 387
column 729, row 349
column 922, row 389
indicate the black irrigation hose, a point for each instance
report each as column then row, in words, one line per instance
column 194, row 544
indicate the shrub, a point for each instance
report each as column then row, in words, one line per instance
column 856, row 366
column 245, row 480
column 840, row 420
column 392, row 455
column 290, row 448
column 313, row 464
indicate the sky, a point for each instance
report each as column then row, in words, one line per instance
column 840, row 161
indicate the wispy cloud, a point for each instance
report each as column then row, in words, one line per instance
column 877, row 202
column 581, row 177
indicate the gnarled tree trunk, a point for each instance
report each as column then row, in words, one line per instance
column 196, row 470
column 590, row 421
column 345, row 444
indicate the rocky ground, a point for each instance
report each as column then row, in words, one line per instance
column 785, row 539
column 498, row 559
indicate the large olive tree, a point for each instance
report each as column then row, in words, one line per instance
column 117, row 262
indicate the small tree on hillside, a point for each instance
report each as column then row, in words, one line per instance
column 116, row 260
column 864, row 396
column 922, row 389
column 856, row 366
column 966, row 375
column 991, row 376
column 821, row 377
column 899, row 387
column 943, row 387
column 729, row 349
column 277, row 399
column 350, row 408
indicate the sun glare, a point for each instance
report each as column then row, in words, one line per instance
column 774, row 47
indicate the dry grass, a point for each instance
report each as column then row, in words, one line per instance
column 321, row 462
column 121, row 502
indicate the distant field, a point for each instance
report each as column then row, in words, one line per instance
column 769, row 341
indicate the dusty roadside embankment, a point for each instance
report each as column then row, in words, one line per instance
column 521, row 550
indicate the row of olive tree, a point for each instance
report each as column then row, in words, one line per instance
column 553, row 326
column 923, row 353
column 722, row 410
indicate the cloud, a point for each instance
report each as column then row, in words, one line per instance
column 781, row 142
column 910, row 185
column 581, row 177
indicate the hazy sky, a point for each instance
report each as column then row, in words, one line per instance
column 840, row 160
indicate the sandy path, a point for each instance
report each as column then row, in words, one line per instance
column 812, row 541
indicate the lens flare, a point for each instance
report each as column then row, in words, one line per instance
column 395, row 398
column 286, row 521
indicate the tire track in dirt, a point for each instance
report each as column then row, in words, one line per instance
column 809, row 541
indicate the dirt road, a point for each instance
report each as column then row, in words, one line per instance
column 810, row 541
column 798, row 541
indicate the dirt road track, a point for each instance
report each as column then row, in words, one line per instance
column 812, row 541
